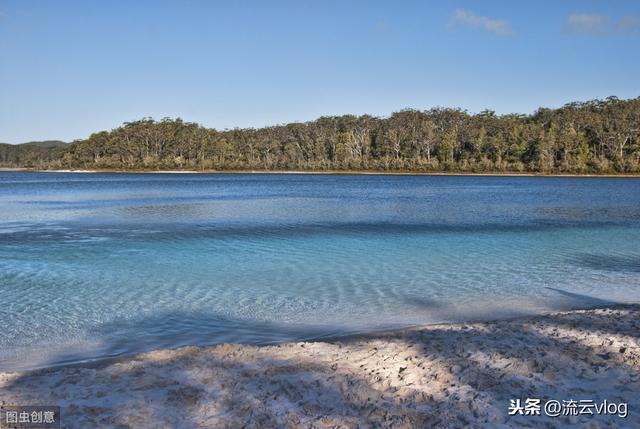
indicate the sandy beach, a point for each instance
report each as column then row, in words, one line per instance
column 446, row 376
column 331, row 172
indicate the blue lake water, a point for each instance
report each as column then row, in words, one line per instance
column 97, row 265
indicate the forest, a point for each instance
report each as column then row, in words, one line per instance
column 597, row 136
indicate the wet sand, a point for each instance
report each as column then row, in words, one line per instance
column 445, row 376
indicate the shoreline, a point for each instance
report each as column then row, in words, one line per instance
column 447, row 375
column 328, row 172
column 103, row 361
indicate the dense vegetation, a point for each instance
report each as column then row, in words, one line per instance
column 599, row 136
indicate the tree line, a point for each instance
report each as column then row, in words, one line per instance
column 597, row 136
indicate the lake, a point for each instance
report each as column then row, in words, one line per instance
column 98, row 265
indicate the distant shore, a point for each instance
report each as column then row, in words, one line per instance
column 328, row 172
column 445, row 376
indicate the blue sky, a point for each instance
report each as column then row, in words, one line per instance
column 68, row 68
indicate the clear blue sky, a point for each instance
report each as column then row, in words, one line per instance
column 68, row 68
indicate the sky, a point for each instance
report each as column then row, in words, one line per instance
column 70, row 68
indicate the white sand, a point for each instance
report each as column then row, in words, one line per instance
column 449, row 376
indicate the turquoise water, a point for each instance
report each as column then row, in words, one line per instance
column 97, row 265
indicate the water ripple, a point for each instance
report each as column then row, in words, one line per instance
column 103, row 265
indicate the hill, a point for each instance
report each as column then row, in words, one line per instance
column 31, row 154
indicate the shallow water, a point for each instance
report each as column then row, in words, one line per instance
column 97, row 265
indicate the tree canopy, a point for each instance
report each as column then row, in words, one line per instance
column 598, row 136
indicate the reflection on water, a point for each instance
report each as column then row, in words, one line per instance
column 107, row 264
